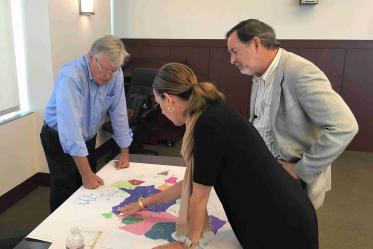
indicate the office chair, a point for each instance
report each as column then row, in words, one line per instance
column 152, row 126
column 140, row 103
column 145, row 118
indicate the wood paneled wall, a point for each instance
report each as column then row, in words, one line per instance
column 347, row 64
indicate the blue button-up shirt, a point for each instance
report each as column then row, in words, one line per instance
column 78, row 105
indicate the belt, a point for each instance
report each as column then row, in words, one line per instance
column 51, row 130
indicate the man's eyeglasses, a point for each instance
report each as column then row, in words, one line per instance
column 105, row 71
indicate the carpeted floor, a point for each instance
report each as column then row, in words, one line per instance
column 345, row 220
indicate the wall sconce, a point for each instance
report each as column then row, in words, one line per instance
column 86, row 7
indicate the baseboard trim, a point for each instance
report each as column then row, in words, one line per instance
column 23, row 189
column 44, row 179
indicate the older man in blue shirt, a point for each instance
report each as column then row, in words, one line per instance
column 85, row 90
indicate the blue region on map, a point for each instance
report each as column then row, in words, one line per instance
column 162, row 230
column 215, row 223
column 143, row 191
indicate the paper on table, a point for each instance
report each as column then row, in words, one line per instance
column 91, row 210
column 106, row 240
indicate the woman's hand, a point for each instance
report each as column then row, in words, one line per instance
column 173, row 245
column 129, row 209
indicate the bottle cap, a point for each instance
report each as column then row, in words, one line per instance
column 75, row 230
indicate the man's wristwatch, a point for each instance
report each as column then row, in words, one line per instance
column 189, row 243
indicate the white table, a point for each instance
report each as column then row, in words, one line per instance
column 91, row 210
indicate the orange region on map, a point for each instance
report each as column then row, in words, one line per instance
column 163, row 187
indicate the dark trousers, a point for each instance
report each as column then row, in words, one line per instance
column 64, row 175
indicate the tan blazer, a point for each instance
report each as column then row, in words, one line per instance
column 311, row 123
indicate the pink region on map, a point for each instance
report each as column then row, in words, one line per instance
column 150, row 218
column 171, row 180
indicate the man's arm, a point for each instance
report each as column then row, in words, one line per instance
column 69, row 99
column 90, row 180
column 122, row 134
column 331, row 114
column 123, row 161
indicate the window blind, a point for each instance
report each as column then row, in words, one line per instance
column 9, row 94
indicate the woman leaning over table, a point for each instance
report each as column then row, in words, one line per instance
column 265, row 206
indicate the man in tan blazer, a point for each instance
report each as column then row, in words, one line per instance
column 304, row 122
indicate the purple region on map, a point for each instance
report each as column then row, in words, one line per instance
column 143, row 191
column 162, row 230
column 216, row 223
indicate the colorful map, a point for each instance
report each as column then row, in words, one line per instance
column 157, row 221
column 95, row 212
column 143, row 191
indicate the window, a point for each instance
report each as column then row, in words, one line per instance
column 9, row 92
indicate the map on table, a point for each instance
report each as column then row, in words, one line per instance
column 97, row 210
column 158, row 221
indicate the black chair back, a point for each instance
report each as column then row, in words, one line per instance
column 142, row 80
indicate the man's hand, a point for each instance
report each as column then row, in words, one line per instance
column 123, row 161
column 92, row 181
column 173, row 245
column 290, row 168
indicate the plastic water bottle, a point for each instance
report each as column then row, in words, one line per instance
column 75, row 239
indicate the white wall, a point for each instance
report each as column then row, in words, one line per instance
column 211, row 19
column 72, row 34
column 54, row 34
column 18, row 158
